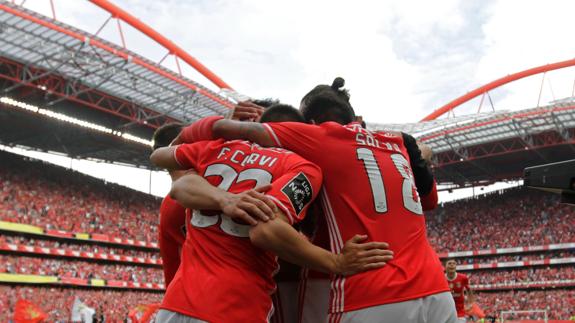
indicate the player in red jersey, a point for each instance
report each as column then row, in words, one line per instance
column 224, row 276
column 459, row 285
column 172, row 230
column 368, row 188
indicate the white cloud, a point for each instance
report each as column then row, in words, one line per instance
column 401, row 58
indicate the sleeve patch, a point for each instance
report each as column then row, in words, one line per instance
column 299, row 192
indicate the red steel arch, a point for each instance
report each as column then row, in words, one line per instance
column 497, row 83
column 120, row 53
column 119, row 13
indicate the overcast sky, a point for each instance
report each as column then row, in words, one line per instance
column 401, row 59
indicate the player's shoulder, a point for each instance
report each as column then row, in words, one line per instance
column 461, row 276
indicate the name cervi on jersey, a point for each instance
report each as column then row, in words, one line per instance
column 239, row 157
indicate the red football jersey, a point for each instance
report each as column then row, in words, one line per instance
column 172, row 233
column 458, row 285
column 368, row 189
column 223, row 277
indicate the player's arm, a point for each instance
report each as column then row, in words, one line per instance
column 470, row 292
column 216, row 127
column 279, row 237
column 195, row 192
column 165, row 157
column 251, row 131
column 419, row 157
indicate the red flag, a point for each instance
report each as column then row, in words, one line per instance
column 28, row 312
column 476, row 311
column 143, row 312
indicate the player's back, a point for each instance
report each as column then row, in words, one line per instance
column 369, row 189
column 223, row 277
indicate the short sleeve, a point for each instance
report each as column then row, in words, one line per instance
column 187, row 155
column 294, row 191
column 295, row 136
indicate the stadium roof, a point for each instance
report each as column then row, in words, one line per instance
column 488, row 147
column 59, row 69
column 89, row 63
column 56, row 68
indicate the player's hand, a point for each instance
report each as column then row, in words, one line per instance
column 246, row 111
column 357, row 257
column 249, row 206
column 426, row 152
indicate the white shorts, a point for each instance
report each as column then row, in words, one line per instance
column 461, row 320
column 437, row 308
column 315, row 301
column 165, row 316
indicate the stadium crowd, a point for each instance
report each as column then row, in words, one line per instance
column 560, row 304
column 521, row 275
column 79, row 269
column 94, row 248
column 57, row 302
column 52, row 197
column 521, row 217
column 518, row 257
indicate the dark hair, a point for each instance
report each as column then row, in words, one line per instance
column 266, row 103
column 445, row 261
column 328, row 103
column 281, row 113
column 165, row 134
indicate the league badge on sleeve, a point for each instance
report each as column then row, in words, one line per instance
column 299, row 192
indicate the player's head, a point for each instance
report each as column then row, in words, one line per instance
column 450, row 266
column 266, row 103
column 282, row 113
column 165, row 134
column 328, row 103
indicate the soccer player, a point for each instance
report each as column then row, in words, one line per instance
column 224, row 275
column 172, row 215
column 459, row 285
column 369, row 188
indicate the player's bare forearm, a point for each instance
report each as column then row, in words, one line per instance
column 254, row 132
column 282, row 239
column 164, row 157
column 195, row 192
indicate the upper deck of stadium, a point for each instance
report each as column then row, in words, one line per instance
column 51, row 72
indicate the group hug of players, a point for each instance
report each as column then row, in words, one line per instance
column 341, row 206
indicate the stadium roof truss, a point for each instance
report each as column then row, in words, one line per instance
column 470, row 139
column 39, row 52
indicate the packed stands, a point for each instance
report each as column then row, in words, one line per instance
column 34, row 192
column 560, row 304
column 515, row 217
column 79, row 269
column 79, row 207
column 57, row 302
column 523, row 275
column 517, row 257
column 77, row 247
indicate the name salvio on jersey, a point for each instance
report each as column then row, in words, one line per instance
column 366, row 139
